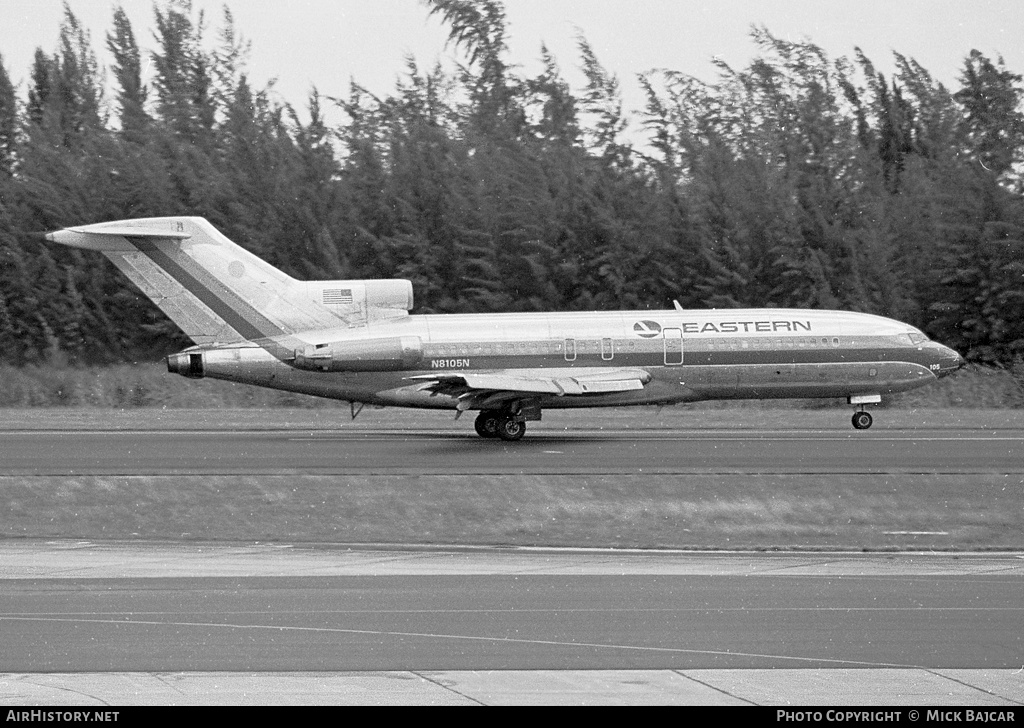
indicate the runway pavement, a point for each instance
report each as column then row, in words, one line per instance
column 546, row 452
column 203, row 624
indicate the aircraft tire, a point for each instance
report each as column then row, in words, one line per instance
column 486, row 424
column 511, row 430
column 862, row 420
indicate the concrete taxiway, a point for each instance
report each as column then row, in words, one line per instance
column 91, row 623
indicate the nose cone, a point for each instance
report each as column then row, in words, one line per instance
column 949, row 362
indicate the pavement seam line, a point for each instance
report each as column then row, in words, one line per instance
column 447, row 688
column 160, row 678
column 61, row 688
column 973, row 687
column 713, row 687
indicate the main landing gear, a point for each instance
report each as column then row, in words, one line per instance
column 495, row 423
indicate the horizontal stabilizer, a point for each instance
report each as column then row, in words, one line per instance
column 109, row 235
column 133, row 232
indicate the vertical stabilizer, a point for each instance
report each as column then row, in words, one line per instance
column 214, row 290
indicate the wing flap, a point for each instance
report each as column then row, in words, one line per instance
column 559, row 382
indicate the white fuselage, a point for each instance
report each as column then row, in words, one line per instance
column 690, row 355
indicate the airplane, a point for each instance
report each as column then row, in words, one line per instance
column 356, row 340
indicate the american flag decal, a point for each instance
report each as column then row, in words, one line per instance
column 337, row 296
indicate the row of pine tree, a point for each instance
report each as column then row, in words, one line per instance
column 797, row 181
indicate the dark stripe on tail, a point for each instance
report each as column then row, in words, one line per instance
column 235, row 311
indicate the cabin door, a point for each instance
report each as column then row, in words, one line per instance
column 673, row 346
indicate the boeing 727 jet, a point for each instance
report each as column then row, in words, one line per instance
column 356, row 340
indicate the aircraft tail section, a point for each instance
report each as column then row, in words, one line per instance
column 213, row 289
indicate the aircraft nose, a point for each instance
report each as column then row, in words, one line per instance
column 950, row 361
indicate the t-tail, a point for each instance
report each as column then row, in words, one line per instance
column 219, row 293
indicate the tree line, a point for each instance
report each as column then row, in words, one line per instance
column 796, row 181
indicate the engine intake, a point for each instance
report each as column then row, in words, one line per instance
column 362, row 355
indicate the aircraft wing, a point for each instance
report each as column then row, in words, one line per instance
column 559, row 382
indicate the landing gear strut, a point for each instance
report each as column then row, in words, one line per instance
column 495, row 423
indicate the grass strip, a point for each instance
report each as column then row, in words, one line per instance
column 860, row 512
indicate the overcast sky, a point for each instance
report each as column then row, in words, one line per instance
column 326, row 43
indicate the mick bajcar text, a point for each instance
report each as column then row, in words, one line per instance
column 894, row 716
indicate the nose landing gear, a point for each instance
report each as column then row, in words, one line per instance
column 862, row 420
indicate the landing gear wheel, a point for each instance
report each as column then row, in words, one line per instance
column 862, row 420
column 510, row 430
column 486, row 424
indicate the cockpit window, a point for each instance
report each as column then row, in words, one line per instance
column 916, row 337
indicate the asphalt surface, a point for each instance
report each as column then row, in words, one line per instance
column 543, row 452
column 128, row 607
column 521, row 622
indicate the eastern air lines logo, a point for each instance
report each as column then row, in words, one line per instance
column 647, row 329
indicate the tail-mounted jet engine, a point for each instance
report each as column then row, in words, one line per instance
column 356, row 301
column 362, row 355
column 187, row 364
